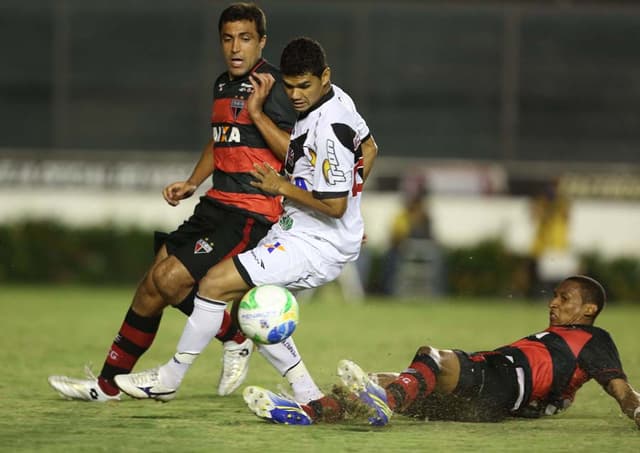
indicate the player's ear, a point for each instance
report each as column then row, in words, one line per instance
column 590, row 310
column 263, row 42
column 325, row 77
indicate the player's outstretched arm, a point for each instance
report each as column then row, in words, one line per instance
column 627, row 398
column 180, row 190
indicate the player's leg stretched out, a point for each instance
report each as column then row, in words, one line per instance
column 419, row 380
column 137, row 333
column 329, row 408
column 223, row 282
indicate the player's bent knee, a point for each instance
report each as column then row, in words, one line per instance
column 223, row 282
column 171, row 279
column 438, row 355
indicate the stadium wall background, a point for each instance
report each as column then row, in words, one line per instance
column 506, row 82
column 490, row 100
column 89, row 235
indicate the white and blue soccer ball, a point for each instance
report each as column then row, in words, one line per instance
column 268, row 314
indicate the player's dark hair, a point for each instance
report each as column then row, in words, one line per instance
column 591, row 291
column 244, row 11
column 302, row 56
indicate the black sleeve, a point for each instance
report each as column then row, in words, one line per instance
column 277, row 106
column 600, row 358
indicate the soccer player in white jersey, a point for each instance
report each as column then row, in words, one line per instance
column 320, row 231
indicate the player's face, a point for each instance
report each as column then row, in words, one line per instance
column 241, row 46
column 305, row 90
column 567, row 306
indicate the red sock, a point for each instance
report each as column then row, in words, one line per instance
column 229, row 331
column 418, row 380
column 134, row 338
column 327, row 409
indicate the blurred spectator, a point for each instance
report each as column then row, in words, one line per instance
column 413, row 263
column 552, row 257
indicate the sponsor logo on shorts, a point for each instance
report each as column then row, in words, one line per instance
column 257, row 260
column 202, row 246
column 276, row 246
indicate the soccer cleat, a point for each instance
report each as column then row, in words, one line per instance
column 235, row 364
column 81, row 389
column 370, row 393
column 145, row 384
column 277, row 408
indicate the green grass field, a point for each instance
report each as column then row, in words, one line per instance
column 56, row 330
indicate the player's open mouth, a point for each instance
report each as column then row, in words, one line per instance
column 236, row 62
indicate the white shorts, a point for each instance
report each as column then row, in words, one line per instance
column 295, row 262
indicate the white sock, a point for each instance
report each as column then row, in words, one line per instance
column 198, row 332
column 302, row 384
column 286, row 359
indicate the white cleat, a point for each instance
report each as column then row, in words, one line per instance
column 145, row 384
column 235, row 365
column 369, row 392
column 81, row 389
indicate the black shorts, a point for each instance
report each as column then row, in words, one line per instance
column 486, row 391
column 211, row 234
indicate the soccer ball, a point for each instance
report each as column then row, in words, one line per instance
column 268, row 314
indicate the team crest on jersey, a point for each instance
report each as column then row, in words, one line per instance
column 275, row 246
column 286, row 222
column 236, row 107
column 202, row 247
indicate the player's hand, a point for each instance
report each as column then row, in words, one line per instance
column 177, row 191
column 262, row 84
column 267, row 178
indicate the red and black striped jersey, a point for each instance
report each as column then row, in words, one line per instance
column 559, row 360
column 238, row 143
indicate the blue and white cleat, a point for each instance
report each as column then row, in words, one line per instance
column 270, row 406
column 367, row 391
column 145, row 384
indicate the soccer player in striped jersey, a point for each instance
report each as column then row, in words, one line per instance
column 251, row 122
column 535, row 376
column 320, row 230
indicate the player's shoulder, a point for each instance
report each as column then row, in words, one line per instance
column 598, row 333
column 265, row 67
column 343, row 97
column 339, row 111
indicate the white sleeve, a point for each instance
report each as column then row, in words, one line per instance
column 333, row 172
column 361, row 125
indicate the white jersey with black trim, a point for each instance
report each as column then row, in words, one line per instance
column 362, row 129
column 325, row 158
